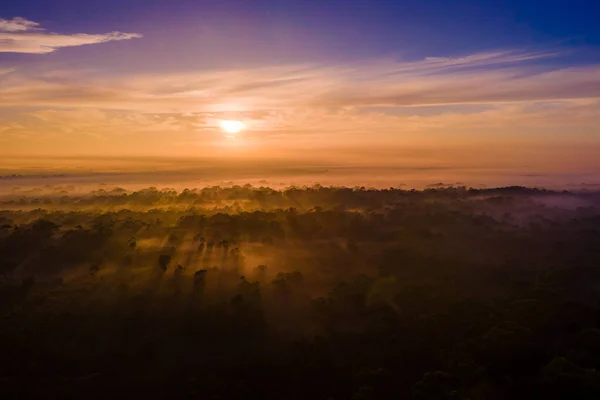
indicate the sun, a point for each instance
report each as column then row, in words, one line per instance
column 231, row 126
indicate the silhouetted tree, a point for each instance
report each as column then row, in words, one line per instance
column 163, row 261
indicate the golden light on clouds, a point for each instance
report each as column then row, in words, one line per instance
column 475, row 103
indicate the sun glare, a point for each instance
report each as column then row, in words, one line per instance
column 231, row 126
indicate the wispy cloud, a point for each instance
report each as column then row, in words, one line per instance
column 18, row 24
column 493, row 78
column 19, row 35
column 479, row 97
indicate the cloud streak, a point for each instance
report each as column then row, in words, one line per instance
column 488, row 78
column 20, row 35
column 18, row 24
column 492, row 98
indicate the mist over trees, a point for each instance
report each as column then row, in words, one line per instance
column 302, row 293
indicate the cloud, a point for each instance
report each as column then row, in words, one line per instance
column 23, row 36
column 386, row 104
column 18, row 24
column 471, row 87
column 12, row 131
column 479, row 79
column 96, row 122
column 487, row 58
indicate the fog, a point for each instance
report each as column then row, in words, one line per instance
column 253, row 290
column 82, row 175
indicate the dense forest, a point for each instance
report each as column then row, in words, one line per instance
column 302, row 293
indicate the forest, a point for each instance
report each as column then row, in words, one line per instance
column 301, row 293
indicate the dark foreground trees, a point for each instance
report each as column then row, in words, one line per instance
column 304, row 294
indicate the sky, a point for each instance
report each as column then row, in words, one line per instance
column 510, row 85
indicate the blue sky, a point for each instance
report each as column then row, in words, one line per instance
column 286, row 30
